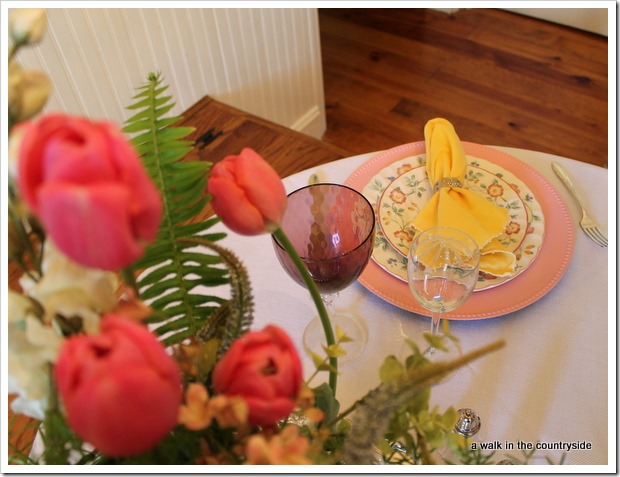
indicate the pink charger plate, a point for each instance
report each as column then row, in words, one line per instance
column 536, row 281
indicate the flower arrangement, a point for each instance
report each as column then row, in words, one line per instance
column 113, row 350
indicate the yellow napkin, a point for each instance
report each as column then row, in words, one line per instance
column 454, row 206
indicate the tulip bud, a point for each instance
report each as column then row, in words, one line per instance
column 248, row 194
column 36, row 88
column 85, row 182
column 28, row 92
column 27, row 25
column 264, row 369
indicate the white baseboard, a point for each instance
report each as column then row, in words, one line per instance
column 447, row 10
column 312, row 122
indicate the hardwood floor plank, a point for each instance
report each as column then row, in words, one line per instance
column 450, row 96
column 490, row 33
column 502, row 79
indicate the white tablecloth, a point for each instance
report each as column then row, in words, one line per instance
column 554, row 380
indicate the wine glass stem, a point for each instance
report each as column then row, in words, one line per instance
column 328, row 301
column 435, row 322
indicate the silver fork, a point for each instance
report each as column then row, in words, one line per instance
column 587, row 223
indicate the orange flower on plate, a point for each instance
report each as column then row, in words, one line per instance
column 403, row 235
column 404, row 168
column 495, row 190
column 513, row 228
column 398, row 196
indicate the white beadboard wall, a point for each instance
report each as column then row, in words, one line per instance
column 262, row 60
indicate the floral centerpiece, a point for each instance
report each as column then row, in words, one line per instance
column 111, row 346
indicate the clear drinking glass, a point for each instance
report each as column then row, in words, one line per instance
column 442, row 271
column 331, row 226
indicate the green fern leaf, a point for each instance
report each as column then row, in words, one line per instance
column 181, row 262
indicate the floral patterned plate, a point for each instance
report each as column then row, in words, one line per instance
column 401, row 189
column 552, row 259
column 403, row 199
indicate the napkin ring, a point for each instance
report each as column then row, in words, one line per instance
column 447, row 182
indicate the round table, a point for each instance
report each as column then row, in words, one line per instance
column 550, row 384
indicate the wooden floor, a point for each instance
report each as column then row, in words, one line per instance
column 500, row 78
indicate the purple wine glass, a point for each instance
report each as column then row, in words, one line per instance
column 332, row 229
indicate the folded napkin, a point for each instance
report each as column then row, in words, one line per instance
column 454, row 206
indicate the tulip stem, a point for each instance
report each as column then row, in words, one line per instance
column 24, row 238
column 282, row 238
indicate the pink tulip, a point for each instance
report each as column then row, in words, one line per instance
column 248, row 194
column 120, row 389
column 262, row 367
column 88, row 187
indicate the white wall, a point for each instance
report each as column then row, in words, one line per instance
column 264, row 61
column 594, row 20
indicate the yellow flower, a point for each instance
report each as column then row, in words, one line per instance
column 200, row 410
column 27, row 25
column 195, row 414
column 306, row 404
column 286, row 448
column 230, row 411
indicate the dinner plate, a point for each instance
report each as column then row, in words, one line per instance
column 542, row 274
column 399, row 198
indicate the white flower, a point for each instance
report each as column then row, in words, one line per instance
column 68, row 290
column 72, row 291
column 27, row 25
column 32, row 347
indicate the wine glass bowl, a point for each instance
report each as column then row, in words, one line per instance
column 442, row 271
column 331, row 226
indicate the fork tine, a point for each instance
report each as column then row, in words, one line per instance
column 596, row 236
column 589, row 234
column 599, row 234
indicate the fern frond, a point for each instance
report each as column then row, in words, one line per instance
column 234, row 319
column 175, row 276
